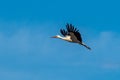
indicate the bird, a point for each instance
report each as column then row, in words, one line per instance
column 71, row 34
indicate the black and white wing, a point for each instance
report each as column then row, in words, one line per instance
column 73, row 31
column 63, row 32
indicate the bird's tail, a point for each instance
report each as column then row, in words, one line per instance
column 85, row 46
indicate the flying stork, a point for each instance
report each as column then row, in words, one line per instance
column 71, row 35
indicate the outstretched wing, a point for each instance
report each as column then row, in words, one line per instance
column 73, row 30
column 63, row 32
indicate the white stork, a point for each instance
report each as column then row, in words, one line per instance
column 71, row 35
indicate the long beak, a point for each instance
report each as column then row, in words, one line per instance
column 53, row 37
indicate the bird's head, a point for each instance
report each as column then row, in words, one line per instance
column 57, row 36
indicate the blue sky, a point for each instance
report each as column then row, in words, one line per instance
column 28, row 53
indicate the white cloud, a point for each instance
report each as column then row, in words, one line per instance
column 25, row 42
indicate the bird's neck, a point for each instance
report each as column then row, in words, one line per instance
column 60, row 37
column 67, row 38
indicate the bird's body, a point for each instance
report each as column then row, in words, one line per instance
column 71, row 35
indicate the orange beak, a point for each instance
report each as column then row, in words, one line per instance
column 54, row 37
